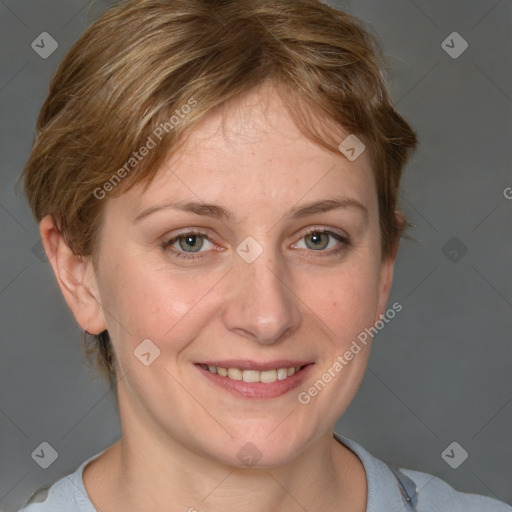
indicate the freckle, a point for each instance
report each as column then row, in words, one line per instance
column 334, row 304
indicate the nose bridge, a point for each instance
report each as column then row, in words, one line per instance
column 261, row 304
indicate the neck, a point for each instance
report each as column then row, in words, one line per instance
column 148, row 469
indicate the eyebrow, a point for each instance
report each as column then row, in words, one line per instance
column 220, row 212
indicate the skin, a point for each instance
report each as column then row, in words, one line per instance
column 180, row 433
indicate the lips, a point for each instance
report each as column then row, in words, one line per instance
column 252, row 379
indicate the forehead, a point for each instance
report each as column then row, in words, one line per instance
column 250, row 152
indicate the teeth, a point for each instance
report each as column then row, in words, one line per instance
column 235, row 373
column 250, row 375
column 282, row 373
column 266, row 376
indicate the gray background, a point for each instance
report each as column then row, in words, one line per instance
column 439, row 372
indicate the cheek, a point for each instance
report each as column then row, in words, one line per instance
column 143, row 303
column 346, row 301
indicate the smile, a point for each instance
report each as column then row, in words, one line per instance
column 249, row 379
column 266, row 376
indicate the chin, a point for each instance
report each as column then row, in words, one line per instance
column 261, row 451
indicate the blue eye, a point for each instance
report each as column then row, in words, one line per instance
column 190, row 240
column 321, row 238
column 188, row 244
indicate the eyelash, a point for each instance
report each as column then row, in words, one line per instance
column 344, row 243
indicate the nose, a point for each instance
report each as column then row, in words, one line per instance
column 261, row 304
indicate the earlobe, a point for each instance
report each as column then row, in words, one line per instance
column 75, row 276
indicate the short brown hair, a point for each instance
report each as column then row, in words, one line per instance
column 144, row 61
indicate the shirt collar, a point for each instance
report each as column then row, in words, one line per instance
column 384, row 491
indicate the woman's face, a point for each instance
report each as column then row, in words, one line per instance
column 260, row 288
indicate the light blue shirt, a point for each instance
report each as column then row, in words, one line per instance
column 389, row 490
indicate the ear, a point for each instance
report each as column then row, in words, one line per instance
column 387, row 268
column 76, row 278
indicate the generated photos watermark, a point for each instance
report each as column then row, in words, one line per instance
column 341, row 361
column 151, row 142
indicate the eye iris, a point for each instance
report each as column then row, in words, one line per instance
column 192, row 239
column 316, row 236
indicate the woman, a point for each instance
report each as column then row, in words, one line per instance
column 216, row 187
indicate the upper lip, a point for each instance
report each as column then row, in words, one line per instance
column 246, row 364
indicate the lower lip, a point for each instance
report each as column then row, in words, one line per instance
column 258, row 390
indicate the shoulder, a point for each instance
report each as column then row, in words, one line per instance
column 59, row 496
column 391, row 488
column 68, row 493
column 435, row 495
